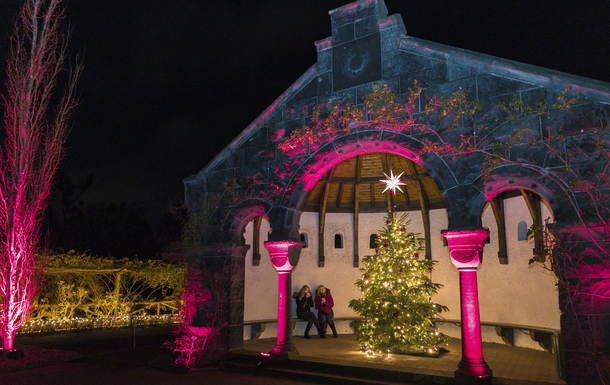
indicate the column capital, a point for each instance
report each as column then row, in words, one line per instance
column 466, row 247
column 284, row 254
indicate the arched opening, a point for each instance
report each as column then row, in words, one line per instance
column 338, row 241
column 522, row 231
column 260, row 287
column 305, row 240
column 373, row 241
column 347, row 205
column 511, row 289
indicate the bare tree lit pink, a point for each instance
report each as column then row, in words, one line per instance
column 36, row 124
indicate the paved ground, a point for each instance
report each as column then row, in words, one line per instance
column 109, row 358
column 130, row 367
column 507, row 363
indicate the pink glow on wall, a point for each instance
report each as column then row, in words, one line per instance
column 277, row 135
column 386, row 23
column 324, row 44
column 466, row 250
column 353, row 7
column 284, row 258
column 495, row 187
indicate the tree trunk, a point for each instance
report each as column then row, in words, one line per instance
column 8, row 341
column 117, row 293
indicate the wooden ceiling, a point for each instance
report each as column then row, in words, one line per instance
column 358, row 178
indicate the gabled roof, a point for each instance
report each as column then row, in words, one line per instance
column 395, row 40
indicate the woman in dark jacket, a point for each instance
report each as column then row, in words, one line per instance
column 304, row 302
column 324, row 303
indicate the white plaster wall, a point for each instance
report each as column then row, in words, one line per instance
column 514, row 293
column 260, row 297
column 517, row 292
column 338, row 273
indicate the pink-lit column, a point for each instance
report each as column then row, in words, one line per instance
column 466, row 250
column 284, row 257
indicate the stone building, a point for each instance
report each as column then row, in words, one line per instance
column 307, row 217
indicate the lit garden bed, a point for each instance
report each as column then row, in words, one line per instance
column 74, row 324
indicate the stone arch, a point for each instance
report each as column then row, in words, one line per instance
column 239, row 216
column 552, row 190
column 357, row 143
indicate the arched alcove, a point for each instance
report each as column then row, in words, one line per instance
column 260, row 289
column 348, row 199
column 511, row 290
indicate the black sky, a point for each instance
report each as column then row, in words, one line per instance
column 169, row 83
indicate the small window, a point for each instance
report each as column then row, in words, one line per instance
column 305, row 240
column 338, row 241
column 522, row 231
column 373, row 241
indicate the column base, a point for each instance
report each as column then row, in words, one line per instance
column 284, row 352
column 473, row 371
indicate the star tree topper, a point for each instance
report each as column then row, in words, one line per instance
column 393, row 182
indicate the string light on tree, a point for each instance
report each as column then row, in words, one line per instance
column 397, row 291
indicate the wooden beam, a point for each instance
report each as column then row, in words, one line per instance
column 374, row 179
column 322, row 217
column 372, row 194
column 357, row 210
column 256, row 241
column 497, row 206
column 365, row 207
column 386, row 170
column 533, row 204
column 340, row 194
column 406, row 195
column 425, row 210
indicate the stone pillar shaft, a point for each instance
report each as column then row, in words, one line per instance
column 472, row 346
column 284, row 257
column 466, row 250
column 284, row 313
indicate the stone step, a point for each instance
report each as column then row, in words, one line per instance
column 250, row 362
column 326, row 373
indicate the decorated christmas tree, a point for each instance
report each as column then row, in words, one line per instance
column 396, row 302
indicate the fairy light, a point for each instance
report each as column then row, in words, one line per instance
column 66, row 324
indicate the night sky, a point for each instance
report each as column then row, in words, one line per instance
column 169, row 83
